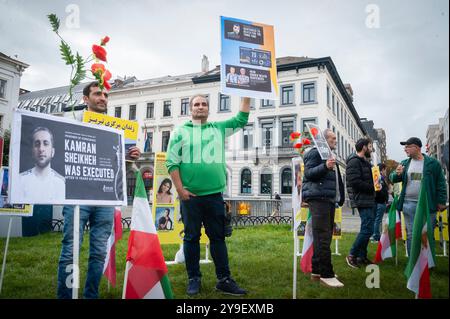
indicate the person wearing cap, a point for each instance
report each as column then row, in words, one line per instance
column 410, row 172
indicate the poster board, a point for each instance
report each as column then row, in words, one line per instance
column 248, row 62
column 7, row 209
column 166, row 206
column 56, row 160
column 320, row 141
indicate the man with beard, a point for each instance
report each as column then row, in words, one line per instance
column 361, row 192
column 42, row 183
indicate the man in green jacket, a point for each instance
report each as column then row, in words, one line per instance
column 196, row 164
column 411, row 172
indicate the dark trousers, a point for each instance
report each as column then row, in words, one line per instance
column 367, row 216
column 208, row 210
column 322, row 215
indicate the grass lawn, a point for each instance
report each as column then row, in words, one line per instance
column 260, row 261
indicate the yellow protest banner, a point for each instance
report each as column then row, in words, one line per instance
column 166, row 206
column 376, row 178
column 337, row 228
column 441, row 226
column 130, row 128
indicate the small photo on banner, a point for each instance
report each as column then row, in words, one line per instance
column 165, row 193
column 248, row 66
column 165, row 218
column 320, row 141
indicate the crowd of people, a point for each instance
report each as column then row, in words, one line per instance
column 323, row 192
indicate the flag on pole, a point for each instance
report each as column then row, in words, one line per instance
column 398, row 226
column 386, row 245
column 307, row 249
column 422, row 256
column 146, row 271
column 109, row 268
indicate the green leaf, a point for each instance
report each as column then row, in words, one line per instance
column 80, row 72
column 54, row 21
column 66, row 53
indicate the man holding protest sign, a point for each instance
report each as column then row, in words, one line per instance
column 196, row 163
column 100, row 220
column 322, row 190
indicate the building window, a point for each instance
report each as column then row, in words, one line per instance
column 165, row 140
column 287, row 95
column 248, row 137
column 342, row 146
column 267, row 134
column 304, row 121
column 328, row 96
column 333, row 103
column 309, row 92
column 185, row 106
column 132, row 115
column 267, row 103
column 131, row 185
column 339, row 144
column 2, row 89
column 286, row 129
column 266, row 182
column 166, row 109
column 334, row 130
column 148, row 142
column 246, row 181
column 224, row 103
column 150, row 110
column 286, row 181
column 328, row 124
column 118, row 111
column 337, row 110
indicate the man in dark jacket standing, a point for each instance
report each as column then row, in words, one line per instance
column 381, row 200
column 361, row 191
column 322, row 189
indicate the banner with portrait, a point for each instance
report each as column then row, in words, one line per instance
column 248, row 65
column 441, row 226
column 166, row 205
column 7, row 209
column 320, row 141
column 56, row 160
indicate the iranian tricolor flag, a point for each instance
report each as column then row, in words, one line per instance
column 307, row 249
column 422, row 249
column 109, row 268
column 386, row 245
column 146, row 271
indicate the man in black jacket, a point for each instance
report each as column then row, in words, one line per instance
column 381, row 200
column 361, row 192
column 322, row 189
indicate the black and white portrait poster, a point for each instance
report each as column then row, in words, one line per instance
column 55, row 160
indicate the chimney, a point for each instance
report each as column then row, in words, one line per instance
column 349, row 90
column 205, row 64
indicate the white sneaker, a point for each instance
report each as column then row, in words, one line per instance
column 331, row 282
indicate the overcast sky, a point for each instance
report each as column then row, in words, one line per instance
column 397, row 64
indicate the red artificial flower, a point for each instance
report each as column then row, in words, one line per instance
column 99, row 52
column 107, row 85
column 298, row 145
column 104, row 41
column 97, row 67
column 294, row 136
column 305, row 141
column 314, row 131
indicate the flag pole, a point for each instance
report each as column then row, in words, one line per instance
column 125, row 278
column 6, row 252
column 294, row 284
column 76, row 252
